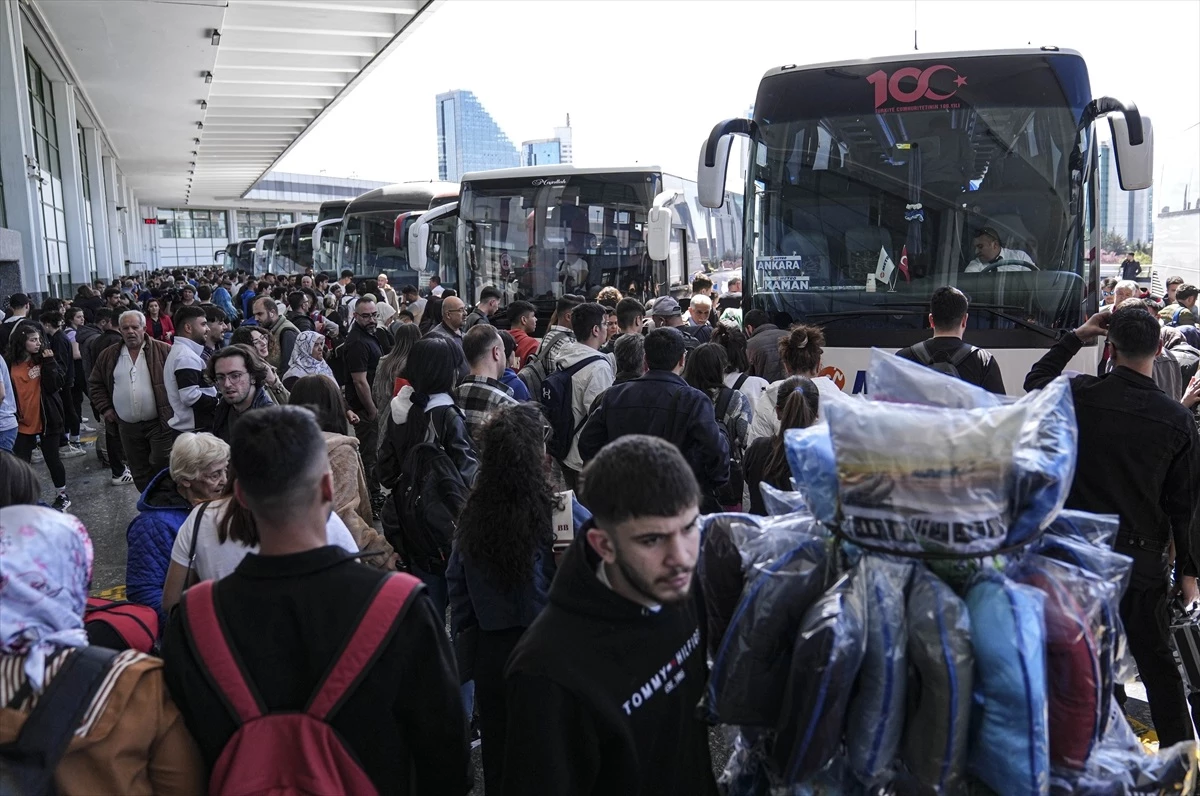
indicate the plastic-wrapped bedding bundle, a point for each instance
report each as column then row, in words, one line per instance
column 1043, row 460
column 1010, row 744
column 751, row 666
column 897, row 380
column 720, row 570
column 1119, row 766
column 875, row 720
column 942, row 669
column 829, row 650
column 916, row 478
column 1108, row 573
column 780, row 501
column 1073, row 676
column 814, row 471
column 1098, row 529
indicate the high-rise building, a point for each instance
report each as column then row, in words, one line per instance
column 469, row 138
column 548, row 151
column 1129, row 214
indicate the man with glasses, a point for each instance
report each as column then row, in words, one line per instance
column 128, row 388
column 239, row 374
column 453, row 314
column 361, row 353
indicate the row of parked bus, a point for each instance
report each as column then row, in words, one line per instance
column 533, row 233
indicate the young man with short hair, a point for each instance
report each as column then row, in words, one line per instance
column 630, row 316
column 287, row 611
column 482, row 393
column 946, row 349
column 602, row 687
column 283, row 332
column 522, row 323
column 1182, row 310
column 592, row 379
column 361, row 354
column 413, row 302
column 489, row 302
column 193, row 400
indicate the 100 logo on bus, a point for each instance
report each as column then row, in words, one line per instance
column 898, row 86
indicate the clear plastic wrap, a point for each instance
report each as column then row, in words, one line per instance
column 875, row 721
column 1120, row 766
column 720, row 570
column 824, row 664
column 779, row 501
column 1097, row 529
column 915, row 478
column 897, row 380
column 814, row 471
column 942, row 671
column 786, row 573
column 1010, row 739
column 1043, row 460
column 1073, row 656
column 745, row 772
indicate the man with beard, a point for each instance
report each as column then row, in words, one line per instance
column 603, row 686
column 239, row 374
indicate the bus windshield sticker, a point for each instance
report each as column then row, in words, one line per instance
column 782, row 274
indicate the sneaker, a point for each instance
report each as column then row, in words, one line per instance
column 37, row 457
column 71, row 451
column 62, row 502
column 84, row 428
column 124, row 478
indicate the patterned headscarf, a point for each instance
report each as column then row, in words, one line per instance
column 45, row 569
column 303, row 362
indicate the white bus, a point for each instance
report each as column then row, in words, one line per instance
column 856, row 164
column 536, row 233
column 370, row 240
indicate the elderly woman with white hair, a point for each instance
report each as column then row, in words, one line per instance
column 198, row 471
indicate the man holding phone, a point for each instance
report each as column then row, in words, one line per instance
column 1153, row 488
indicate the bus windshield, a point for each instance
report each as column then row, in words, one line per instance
column 869, row 186
column 368, row 243
column 536, row 239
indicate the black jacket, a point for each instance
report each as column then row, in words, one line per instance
column 286, row 618
column 62, row 352
column 662, row 405
column 452, row 432
column 1139, row 458
column 980, row 368
column 224, row 416
column 302, row 322
column 602, row 692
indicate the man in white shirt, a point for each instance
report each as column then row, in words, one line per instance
column 127, row 387
column 435, row 286
column 989, row 250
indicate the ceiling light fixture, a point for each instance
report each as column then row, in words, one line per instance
column 216, row 38
column 195, row 140
column 208, row 77
column 203, row 105
column 199, row 125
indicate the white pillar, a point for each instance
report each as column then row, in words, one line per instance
column 17, row 153
column 95, row 178
column 231, row 224
column 68, row 157
column 116, row 257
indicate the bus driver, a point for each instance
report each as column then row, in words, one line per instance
column 988, row 250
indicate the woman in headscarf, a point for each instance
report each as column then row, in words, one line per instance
column 308, row 359
column 132, row 738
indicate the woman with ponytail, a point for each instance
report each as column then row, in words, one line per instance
column 800, row 353
column 424, row 411
column 766, row 459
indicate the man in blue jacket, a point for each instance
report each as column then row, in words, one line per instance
column 661, row 404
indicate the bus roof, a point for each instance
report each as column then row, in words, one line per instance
column 919, row 56
column 556, row 170
column 402, row 196
column 267, row 231
column 333, row 208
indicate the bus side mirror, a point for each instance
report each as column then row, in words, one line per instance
column 418, row 246
column 658, row 231
column 219, row 256
column 1135, row 158
column 714, row 160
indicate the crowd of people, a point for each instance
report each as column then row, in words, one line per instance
column 390, row 527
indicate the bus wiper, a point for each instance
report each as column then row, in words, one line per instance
column 898, row 309
column 1030, row 325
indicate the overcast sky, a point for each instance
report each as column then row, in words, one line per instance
column 645, row 81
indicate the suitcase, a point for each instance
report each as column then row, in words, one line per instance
column 1185, row 646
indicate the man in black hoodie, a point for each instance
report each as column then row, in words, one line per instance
column 603, row 686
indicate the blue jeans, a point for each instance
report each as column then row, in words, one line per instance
column 7, row 439
column 435, row 587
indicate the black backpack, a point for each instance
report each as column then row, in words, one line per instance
column 558, row 399
column 27, row 765
column 942, row 362
column 429, row 495
column 731, row 493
